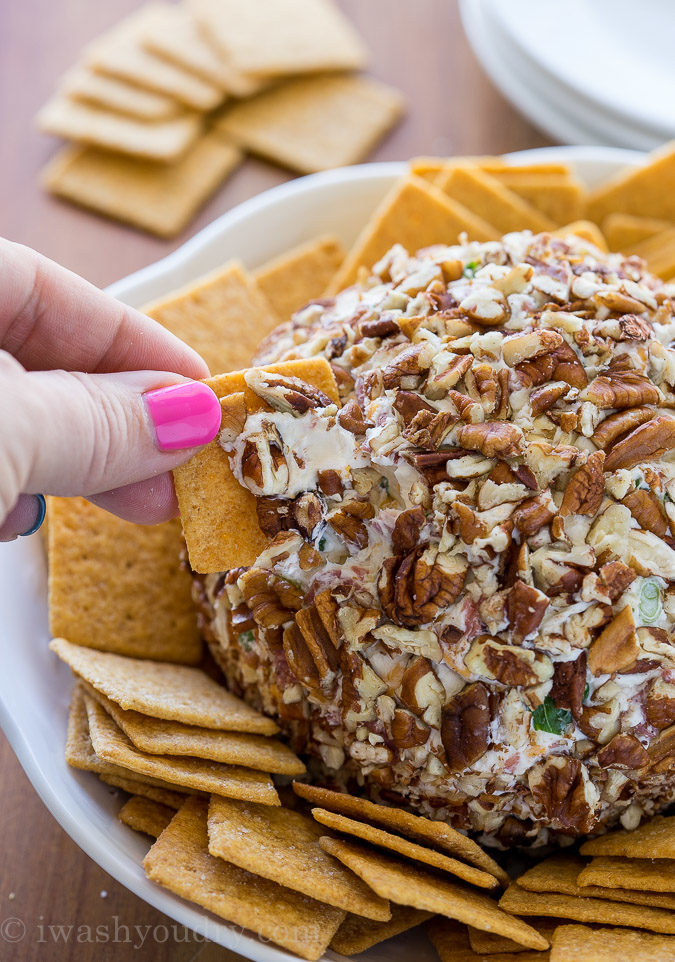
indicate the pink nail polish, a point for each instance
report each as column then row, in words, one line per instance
column 184, row 415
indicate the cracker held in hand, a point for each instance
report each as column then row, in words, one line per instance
column 272, row 37
column 521, row 902
column 158, row 198
column 406, row 884
column 283, row 846
column 315, row 123
column 118, row 586
column 144, row 815
column 160, row 737
column 653, row 839
column 426, row 831
column 356, row 934
column 415, row 214
column 651, row 875
column 300, row 275
column 579, row 943
column 223, row 316
column 377, row 836
column 159, row 140
column 180, row 861
column 111, row 744
column 161, row 690
column 219, row 515
column 451, row 941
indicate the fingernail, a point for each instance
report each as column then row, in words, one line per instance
column 184, row 415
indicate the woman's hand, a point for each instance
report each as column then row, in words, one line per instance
column 95, row 398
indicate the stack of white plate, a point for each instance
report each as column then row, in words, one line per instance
column 583, row 71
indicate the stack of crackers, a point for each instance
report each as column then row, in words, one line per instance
column 164, row 106
column 205, row 773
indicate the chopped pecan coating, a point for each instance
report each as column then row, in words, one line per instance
column 586, row 488
column 559, row 787
column 428, row 431
column 272, row 600
column 321, row 641
column 569, row 684
column 494, row 439
column 414, row 587
column 300, row 659
column 329, row 482
column 381, row 327
column 616, row 576
column 525, row 607
column 407, row 731
column 406, row 533
column 347, row 521
column 465, row 726
column 509, row 664
column 624, row 751
column 616, row 646
column 522, row 347
column 645, row 443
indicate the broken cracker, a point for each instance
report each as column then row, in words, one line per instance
column 631, row 873
column 160, row 737
column 415, row 214
column 223, row 316
column 111, row 744
column 520, row 901
column 276, row 37
column 180, row 861
column 174, row 692
column 652, row 839
column 158, row 198
column 406, row 884
column 144, row 815
column 120, row 53
column 426, row 831
column 356, row 934
column 451, row 941
column 300, row 275
column 111, row 93
column 219, row 515
column 314, row 123
column 118, row 586
column 283, row 846
column 394, row 843
column 579, row 943
column 490, row 199
column 644, row 191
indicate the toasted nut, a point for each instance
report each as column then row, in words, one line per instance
column 562, row 788
column 543, row 398
column 413, row 588
column 661, row 703
column 620, row 423
column 624, row 390
column 647, row 511
column 569, row 684
column 647, row 442
column 288, row 394
column 233, row 417
column 624, row 751
column 408, row 731
column 522, row 347
column 525, row 606
column 530, row 516
column 465, row 726
column 586, row 488
column 616, row 646
column 616, row 576
column 494, row 439
column 508, row 664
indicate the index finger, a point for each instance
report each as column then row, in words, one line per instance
column 51, row 318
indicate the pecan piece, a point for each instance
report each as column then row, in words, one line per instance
column 559, row 786
column 661, row 703
column 428, row 431
column 647, row 511
column 318, row 624
column 616, row 646
column 329, row 482
column 468, row 526
column 543, row 398
column 569, row 684
column 626, row 389
column 523, row 347
column 530, row 516
column 406, row 533
column 465, row 726
column 624, row 751
column 288, row 394
column 350, row 417
column 408, row 366
column 408, row 404
column 568, row 367
column 616, row 425
column 407, row 731
column 586, row 488
column 347, row 521
column 414, row 587
column 272, row 600
column 308, row 513
column 380, row 327
column 421, row 691
column 511, row 665
column 616, row 577
column 525, row 607
column 494, row 439
column 274, row 515
column 300, row 659
column 647, row 442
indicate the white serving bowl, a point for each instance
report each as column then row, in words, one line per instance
column 35, row 686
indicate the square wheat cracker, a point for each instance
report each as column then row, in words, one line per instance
column 111, row 744
column 300, row 275
column 416, row 214
column 451, row 941
column 158, row 140
column 180, row 861
column 118, row 586
column 120, row 53
column 277, row 37
column 158, row 198
column 405, row 884
column 625, row 231
column 283, row 846
column 556, row 196
column 161, row 690
column 356, row 934
column 585, row 230
column 219, row 516
column 161, row 737
column 144, row 815
column 315, row 123
column 394, row 843
column 168, row 797
column 652, row 839
column 426, row 831
column 223, row 316
column 651, row 875
column 488, row 198
column 111, row 93
column 659, row 252
column 644, row 191
column 578, row 943
column 519, row 901
column 488, row 943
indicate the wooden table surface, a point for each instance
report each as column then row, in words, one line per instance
column 55, row 903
